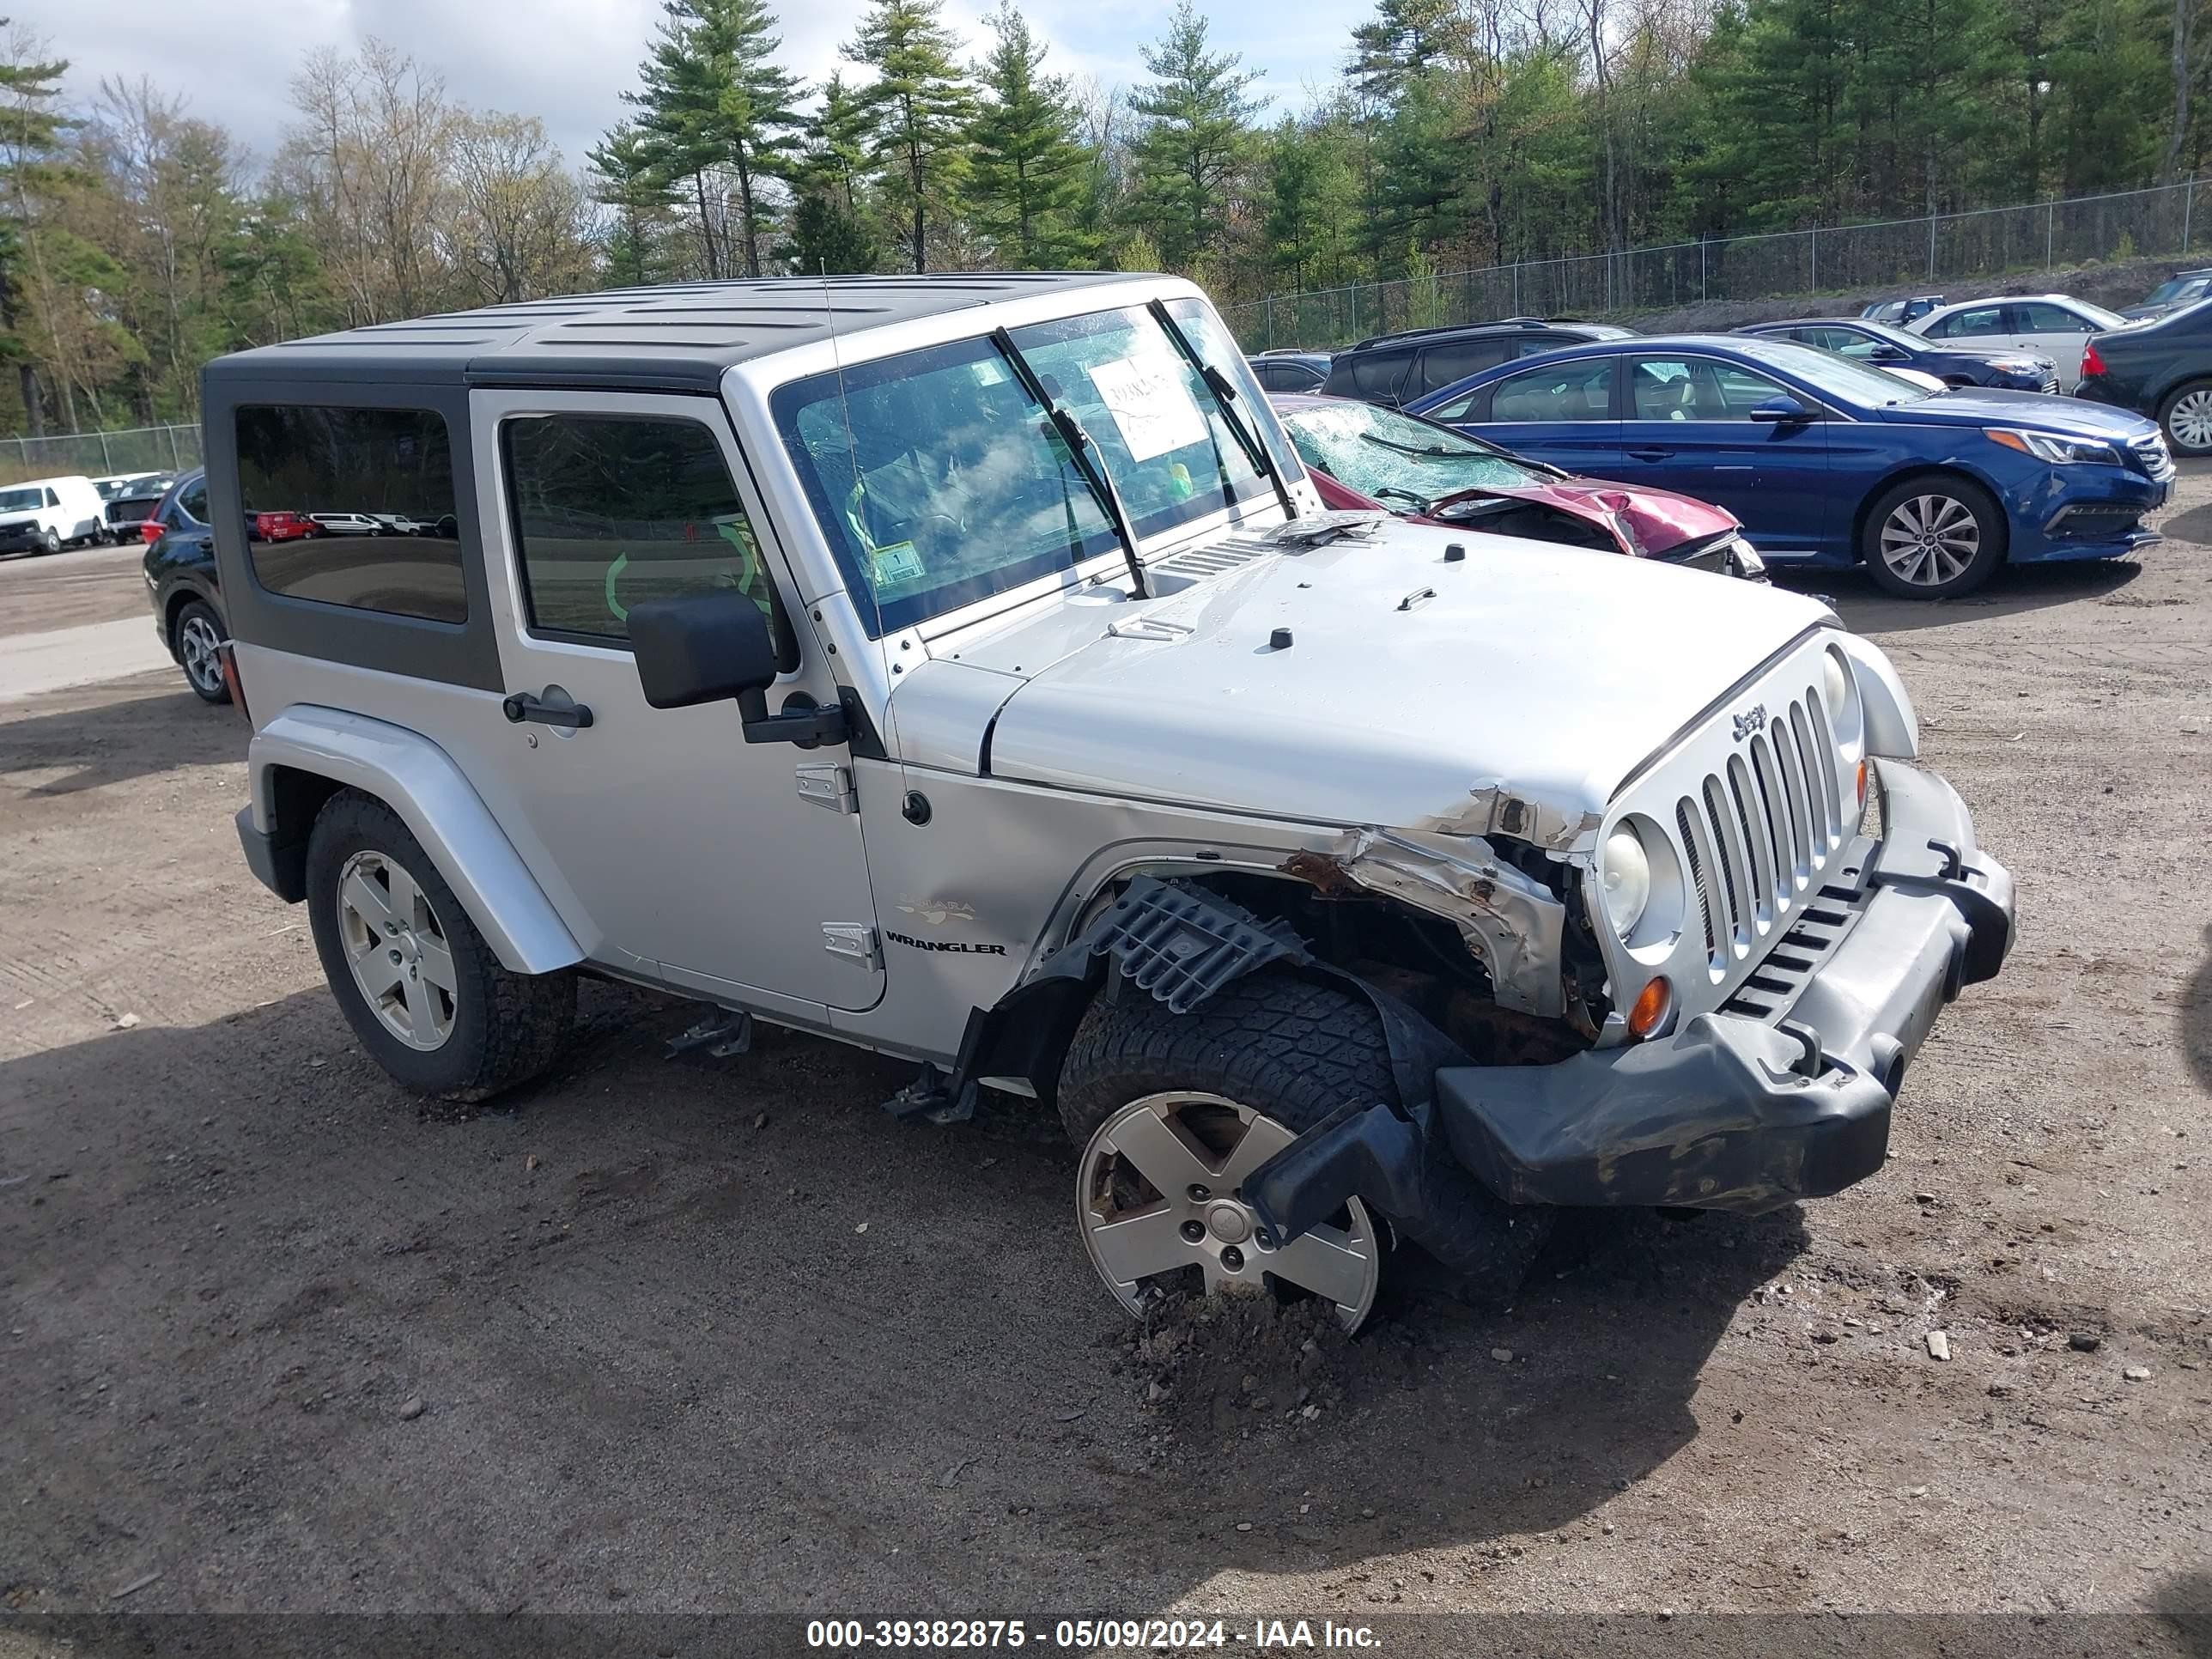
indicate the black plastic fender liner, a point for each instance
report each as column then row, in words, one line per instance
column 1182, row 944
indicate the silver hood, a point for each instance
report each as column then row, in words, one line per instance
column 1414, row 693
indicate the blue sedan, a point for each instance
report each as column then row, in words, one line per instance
column 1828, row 462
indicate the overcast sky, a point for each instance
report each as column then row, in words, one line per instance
column 569, row 61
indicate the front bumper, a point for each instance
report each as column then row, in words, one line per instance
column 1732, row 1111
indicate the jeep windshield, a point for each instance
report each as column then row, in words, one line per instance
column 1395, row 457
column 938, row 480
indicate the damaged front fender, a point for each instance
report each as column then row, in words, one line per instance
column 1512, row 924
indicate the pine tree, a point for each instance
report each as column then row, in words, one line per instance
column 713, row 96
column 625, row 179
column 1029, row 169
column 918, row 105
column 1191, row 153
column 33, row 170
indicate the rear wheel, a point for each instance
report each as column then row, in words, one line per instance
column 2186, row 415
column 199, row 638
column 1933, row 537
column 427, row 996
column 1174, row 1110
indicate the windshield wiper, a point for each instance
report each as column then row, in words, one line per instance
column 1088, row 456
column 1425, row 454
column 1224, row 395
column 1420, row 502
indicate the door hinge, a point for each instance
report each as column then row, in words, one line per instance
column 827, row 784
column 855, row 940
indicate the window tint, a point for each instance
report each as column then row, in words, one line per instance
column 192, row 502
column 387, row 474
column 609, row 509
column 1694, row 389
column 1443, row 364
column 1376, row 374
column 1577, row 391
column 2036, row 317
column 1975, row 319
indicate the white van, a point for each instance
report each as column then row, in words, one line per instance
column 47, row 514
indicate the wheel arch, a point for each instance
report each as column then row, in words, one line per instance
column 172, row 609
column 1909, row 471
column 304, row 755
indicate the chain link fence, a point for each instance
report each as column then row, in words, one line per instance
column 99, row 454
column 1847, row 259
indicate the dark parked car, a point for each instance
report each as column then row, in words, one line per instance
column 2161, row 368
column 131, row 498
column 2184, row 288
column 1886, row 347
column 1392, row 370
column 180, row 579
column 1289, row 371
column 1830, row 462
column 1901, row 311
column 1362, row 458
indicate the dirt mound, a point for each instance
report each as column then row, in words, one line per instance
column 1220, row 1366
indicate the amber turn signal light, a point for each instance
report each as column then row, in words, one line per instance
column 1653, row 1004
column 1862, row 786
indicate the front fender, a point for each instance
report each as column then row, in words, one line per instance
column 419, row 780
column 1893, row 729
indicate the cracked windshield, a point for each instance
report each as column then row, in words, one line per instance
column 1392, row 458
column 938, row 480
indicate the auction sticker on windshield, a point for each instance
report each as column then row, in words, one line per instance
column 1151, row 405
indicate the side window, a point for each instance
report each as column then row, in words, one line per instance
column 1577, row 391
column 1443, row 364
column 53, row 499
column 1462, row 408
column 2036, row 317
column 1963, row 324
column 193, row 503
column 1694, row 389
column 609, row 509
column 383, row 477
column 1378, row 375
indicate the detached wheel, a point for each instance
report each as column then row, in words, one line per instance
column 198, row 637
column 420, row 986
column 2186, row 415
column 1172, row 1111
column 1933, row 537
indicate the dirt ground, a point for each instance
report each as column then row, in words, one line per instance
column 677, row 1336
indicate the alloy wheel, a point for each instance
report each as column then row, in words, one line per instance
column 197, row 644
column 402, row 963
column 2190, row 419
column 1930, row 540
column 1159, row 1194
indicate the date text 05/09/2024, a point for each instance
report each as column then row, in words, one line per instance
column 1089, row 1635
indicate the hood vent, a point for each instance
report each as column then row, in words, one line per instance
column 1214, row 558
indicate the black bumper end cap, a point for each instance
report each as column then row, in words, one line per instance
column 1369, row 1153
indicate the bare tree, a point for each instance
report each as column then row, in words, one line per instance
column 518, row 226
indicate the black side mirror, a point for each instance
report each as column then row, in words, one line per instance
column 706, row 647
column 1890, row 354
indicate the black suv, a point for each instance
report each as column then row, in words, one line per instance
column 180, row 580
column 1392, row 370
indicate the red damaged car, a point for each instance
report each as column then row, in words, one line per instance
column 1365, row 457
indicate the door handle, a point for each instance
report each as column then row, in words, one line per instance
column 520, row 706
column 1649, row 454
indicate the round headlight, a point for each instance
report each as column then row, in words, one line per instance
column 1835, row 684
column 1625, row 874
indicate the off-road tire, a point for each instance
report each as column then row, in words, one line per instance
column 1989, row 523
column 1296, row 1051
column 507, row 1026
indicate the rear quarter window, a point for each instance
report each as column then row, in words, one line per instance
column 384, row 478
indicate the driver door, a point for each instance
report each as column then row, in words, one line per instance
column 669, row 844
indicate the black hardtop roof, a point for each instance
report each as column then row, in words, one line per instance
column 679, row 337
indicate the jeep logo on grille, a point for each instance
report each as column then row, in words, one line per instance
column 1752, row 719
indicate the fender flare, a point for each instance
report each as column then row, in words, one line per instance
column 433, row 798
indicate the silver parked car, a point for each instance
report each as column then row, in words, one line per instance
column 968, row 670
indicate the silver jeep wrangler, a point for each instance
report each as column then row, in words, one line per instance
column 964, row 667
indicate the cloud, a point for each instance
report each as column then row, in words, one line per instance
column 568, row 62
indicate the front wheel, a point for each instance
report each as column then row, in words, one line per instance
column 1172, row 1111
column 427, row 996
column 1933, row 537
column 51, row 542
column 2186, row 415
